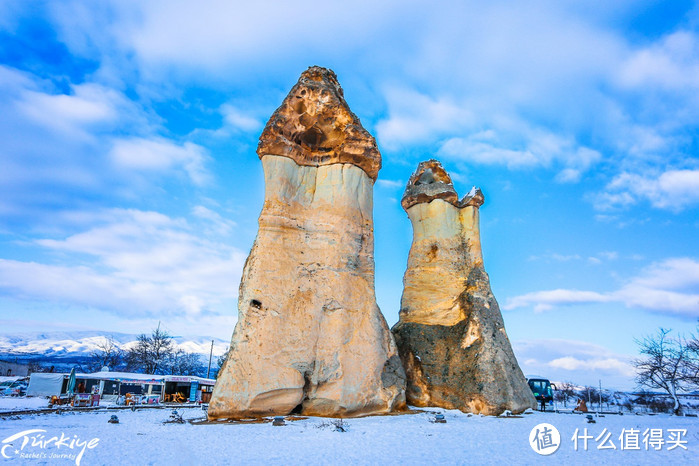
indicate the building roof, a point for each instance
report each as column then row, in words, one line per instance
column 141, row 378
column 133, row 377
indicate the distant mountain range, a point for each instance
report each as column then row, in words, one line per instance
column 63, row 349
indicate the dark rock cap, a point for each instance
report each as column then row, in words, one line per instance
column 431, row 181
column 314, row 126
column 474, row 197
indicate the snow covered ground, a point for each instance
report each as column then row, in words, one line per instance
column 13, row 403
column 141, row 437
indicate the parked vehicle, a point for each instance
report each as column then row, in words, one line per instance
column 13, row 388
column 542, row 389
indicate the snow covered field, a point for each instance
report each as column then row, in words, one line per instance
column 11, row 403
column 141, row 437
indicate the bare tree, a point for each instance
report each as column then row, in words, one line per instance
column 183, row 363
column 151, row 353
column 591, row 395
column 34, row 366
column 691, row 366
column 566, row 390
column 107, row 354
column 662, row 365
column 221, row 360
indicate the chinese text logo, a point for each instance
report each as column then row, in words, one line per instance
column 544, row 439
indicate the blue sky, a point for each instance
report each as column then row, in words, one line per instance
column 130, row 187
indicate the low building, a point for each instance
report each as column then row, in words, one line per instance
column 112, row 385
column 11, row 369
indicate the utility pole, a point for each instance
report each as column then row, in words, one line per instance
column 600, row 394
column 211, row 353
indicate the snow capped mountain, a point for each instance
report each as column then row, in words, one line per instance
column 82, row 343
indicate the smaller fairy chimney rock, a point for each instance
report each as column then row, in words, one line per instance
column 314, row 126
column 450, row 335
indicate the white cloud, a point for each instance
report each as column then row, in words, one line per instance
column 668, row 287
column 671, row 286
column 568, row 175
column 597, row 259
column 564, row 257
column 215, row 35
column 390, row 184
column 580, row 362
column 56, row 147
column 138, row 263
column 670, row 302
column 673, row 190
column 12, row 80
column 609, row 255
column 239, row 119
column 673, row 274
column 533, row 147
column 606, row 201
column 556, row 257
column 546, row 300
column 486, row 153
column 80, row 286
column 81, row 113
column 570, row 363
column 604, row 255
column 218, row 224
column 671, row 63
column 581, row 161
column 59, row 109
column 533, row 74
column 416, row 117
column 159, row 154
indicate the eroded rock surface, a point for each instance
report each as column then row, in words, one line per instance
column 450, row 335
column 310, row 337
column 314, row 126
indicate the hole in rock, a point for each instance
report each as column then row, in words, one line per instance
column 432, row 254
column 306, row 390
column 312, row 137
column 427, row 177
column 256, row 304
column 299, row 107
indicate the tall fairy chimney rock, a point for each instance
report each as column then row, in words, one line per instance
column 450, row 334
column 310, row 337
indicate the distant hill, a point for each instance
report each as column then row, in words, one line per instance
column 64, row 350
